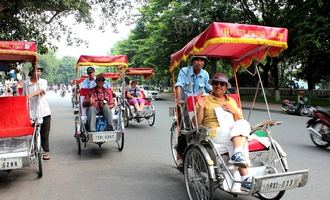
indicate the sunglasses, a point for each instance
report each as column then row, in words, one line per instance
column 221, row 83
column 90, row 72
column 100, row 79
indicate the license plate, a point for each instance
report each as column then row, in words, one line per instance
column 281, row 183
column 104, row 137
column 10, row 163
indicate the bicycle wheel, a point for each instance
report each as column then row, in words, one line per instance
column 197, row 176
column 151, row 119
column 120, row 141
column 174, row 142
column 273, row 166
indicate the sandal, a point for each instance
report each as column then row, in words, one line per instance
column 45, row 156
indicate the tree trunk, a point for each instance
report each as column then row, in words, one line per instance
column 213, row 64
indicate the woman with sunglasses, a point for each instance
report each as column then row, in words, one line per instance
column 230, row 136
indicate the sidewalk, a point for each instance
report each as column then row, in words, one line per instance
column 245, row 104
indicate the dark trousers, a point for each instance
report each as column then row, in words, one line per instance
column 184, row 123
column 44, row 133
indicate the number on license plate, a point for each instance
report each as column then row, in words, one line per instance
column 10, row 163
column 280, row 183
column 103, row 137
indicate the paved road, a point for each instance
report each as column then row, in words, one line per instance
column 144, row 169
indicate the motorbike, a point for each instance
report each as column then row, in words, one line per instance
column 319, row 127
column 296, row 108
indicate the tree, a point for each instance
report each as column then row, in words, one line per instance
column 41, row 21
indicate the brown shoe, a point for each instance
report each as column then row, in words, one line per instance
column 46, row 156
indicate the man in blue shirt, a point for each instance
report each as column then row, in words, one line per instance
column 90, row 81
column 192, row 80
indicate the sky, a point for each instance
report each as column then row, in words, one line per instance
column 100, row 42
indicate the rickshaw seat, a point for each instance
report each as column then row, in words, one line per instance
column 255, row 145
column 15, row 118
column 147, row 102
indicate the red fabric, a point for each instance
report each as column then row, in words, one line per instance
column 191, row 101
column 87, row 60
column 84, row 91
column 18, row 51
column 112, row 75
column 255, row 145
column 15, row 119
column 146, row 72
column 236, row 98
column 239, row 43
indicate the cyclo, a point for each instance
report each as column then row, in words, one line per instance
column 205, row 166
column 82, row 135
column 19, row 139
column 149, row 112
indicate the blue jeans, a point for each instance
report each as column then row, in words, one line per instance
column 91, row 116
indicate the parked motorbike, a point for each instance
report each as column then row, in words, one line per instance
column 297, row 108
column 319, row 127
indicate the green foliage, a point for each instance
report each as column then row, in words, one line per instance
column 43, row 20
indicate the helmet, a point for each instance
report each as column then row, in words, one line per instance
column 90, row 70
column 199, row 57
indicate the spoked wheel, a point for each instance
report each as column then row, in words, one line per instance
column 125, row 115
column 306, row 112
column 197, row 176
column 79, row 144
column 273, row 166
column 322, row 129
column 78, row 127
column 40, row 172
column 120, row 140
column 151, row 119
column 174, row 142
column 38, row 152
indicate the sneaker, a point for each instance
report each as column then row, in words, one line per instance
column 179, row 162
column 238, row 160
column 246, row 185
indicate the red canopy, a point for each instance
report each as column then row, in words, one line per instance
column 146, row 72
column 238, row 42
column 103, row 61
column 18, row 51
column 112, row 75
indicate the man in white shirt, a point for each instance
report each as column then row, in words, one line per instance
column 35, row 89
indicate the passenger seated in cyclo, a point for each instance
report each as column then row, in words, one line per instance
column 135, row 96
column 228, row 130
column 99, row 100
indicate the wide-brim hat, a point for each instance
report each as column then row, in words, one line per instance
column 220, row 77
column 192, row 58
column 100, row 76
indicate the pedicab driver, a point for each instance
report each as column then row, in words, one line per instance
column 230, row 135
column 99, row 100
column 192, row 80
column 90, row 81
column 35, row 88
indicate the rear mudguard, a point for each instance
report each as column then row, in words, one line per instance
column 282, row 154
